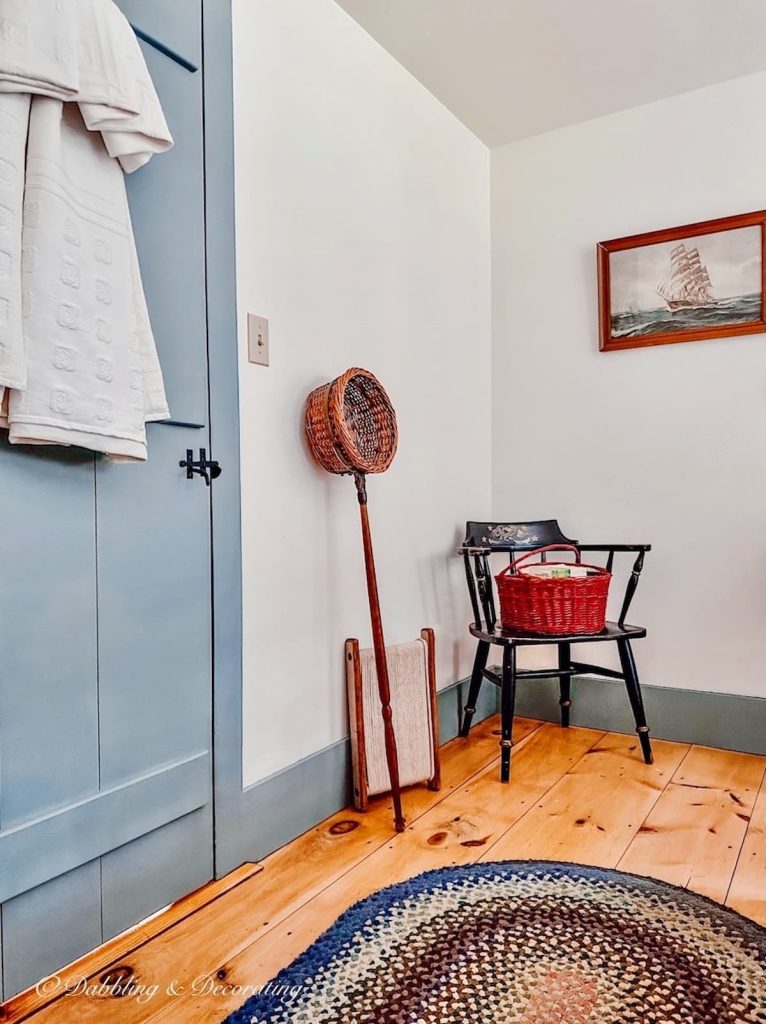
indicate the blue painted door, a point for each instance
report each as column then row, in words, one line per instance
column 105, row 608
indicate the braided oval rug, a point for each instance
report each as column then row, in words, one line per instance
column 525, row 942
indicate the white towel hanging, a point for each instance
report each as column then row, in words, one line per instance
column 77, row 109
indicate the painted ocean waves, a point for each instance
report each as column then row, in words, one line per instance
column 743, row 309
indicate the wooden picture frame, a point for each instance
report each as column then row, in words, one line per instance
column 710, row 283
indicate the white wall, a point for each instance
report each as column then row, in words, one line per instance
column 665, row 444
column 363, row 234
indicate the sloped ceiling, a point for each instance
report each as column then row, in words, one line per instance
column 511, row 68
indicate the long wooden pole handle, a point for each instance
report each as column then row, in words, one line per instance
column 381, row 663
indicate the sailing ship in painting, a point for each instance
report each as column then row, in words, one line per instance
column 690, row 295
column 688, row 284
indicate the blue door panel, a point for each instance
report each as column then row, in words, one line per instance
column 77, row 833
column 51, row 925
column 154, row 626
column 105, row 607
column 48, row 689
column 147, row 874
column 167, row 204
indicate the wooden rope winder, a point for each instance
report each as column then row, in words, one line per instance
column 351, row 429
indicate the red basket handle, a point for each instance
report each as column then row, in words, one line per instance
column 548, row 547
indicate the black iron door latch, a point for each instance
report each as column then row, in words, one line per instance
column 204, row 467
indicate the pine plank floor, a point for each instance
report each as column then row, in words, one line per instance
column 697, row 818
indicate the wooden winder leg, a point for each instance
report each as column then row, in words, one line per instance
column 429, row 638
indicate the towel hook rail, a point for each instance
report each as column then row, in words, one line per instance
column 166, row 50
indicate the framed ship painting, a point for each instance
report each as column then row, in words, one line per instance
column 689, row 283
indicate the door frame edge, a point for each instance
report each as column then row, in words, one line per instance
column 223, row 369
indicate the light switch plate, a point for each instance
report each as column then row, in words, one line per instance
column 258, row 339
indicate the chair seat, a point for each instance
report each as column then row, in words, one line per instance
column 612, row 631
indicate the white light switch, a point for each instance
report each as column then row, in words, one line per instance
column 258, row 339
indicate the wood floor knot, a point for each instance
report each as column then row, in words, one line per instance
column 117, row 981
column 342, row 828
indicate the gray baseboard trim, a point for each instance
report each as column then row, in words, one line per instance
column 451, row 701
column 689, row 716
column 288, row 803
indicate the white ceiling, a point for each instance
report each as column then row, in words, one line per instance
column 511, row 68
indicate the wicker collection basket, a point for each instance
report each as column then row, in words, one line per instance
column 351, row 424
column 553, row 606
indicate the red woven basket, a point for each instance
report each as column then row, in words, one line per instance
column 535, row 604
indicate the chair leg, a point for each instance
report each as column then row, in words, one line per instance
column 633, row 687
column 565, row 683
column 507, row 704
column 477, row 677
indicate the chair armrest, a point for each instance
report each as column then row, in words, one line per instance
column 630, row 588
column 615, row 547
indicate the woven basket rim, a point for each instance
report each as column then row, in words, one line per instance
column 342, row 440
column 530, row 578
